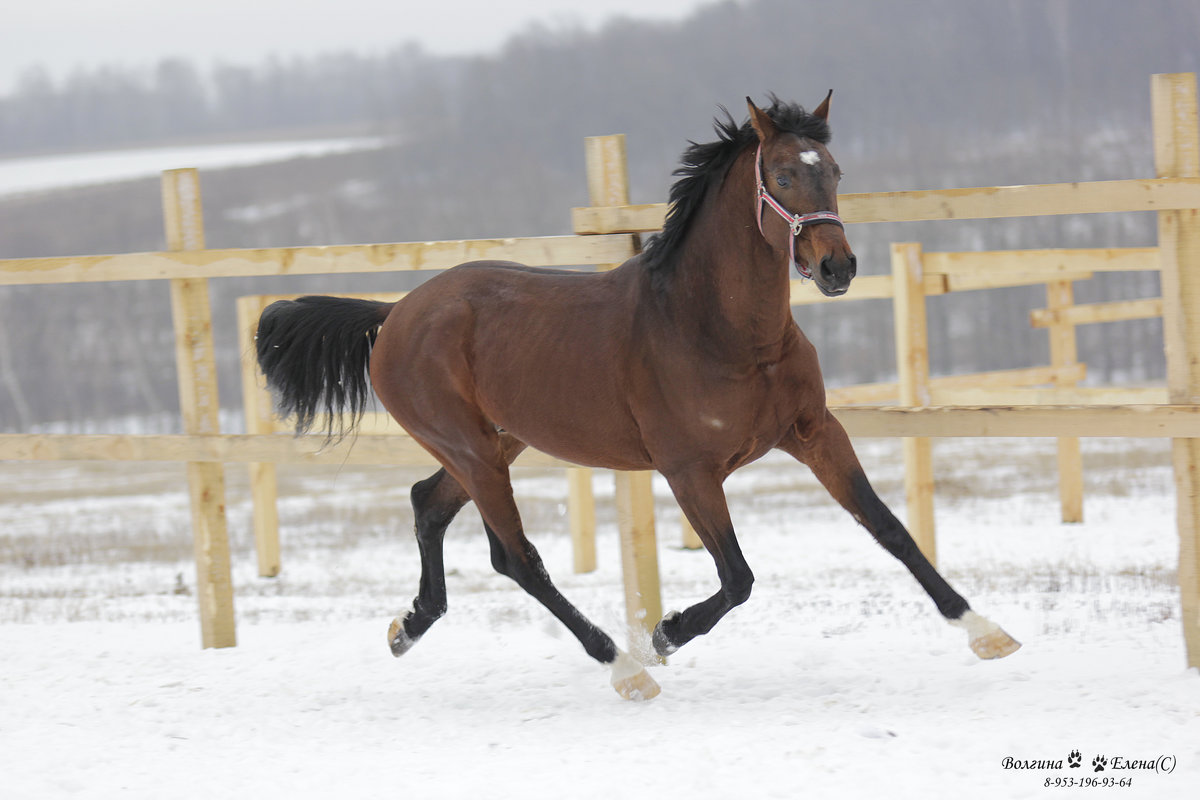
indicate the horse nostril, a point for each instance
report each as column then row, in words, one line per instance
column 831, row 267
column 828, row 271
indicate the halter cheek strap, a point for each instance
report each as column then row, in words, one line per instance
column 796, row 222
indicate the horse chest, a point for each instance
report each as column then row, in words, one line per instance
column 759, row 406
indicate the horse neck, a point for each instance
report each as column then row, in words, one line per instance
column 735, row 284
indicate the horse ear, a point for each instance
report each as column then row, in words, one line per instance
column 822, row 111
column 764, row 126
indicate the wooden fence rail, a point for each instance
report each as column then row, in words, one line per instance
column 602, row 237
column 988, row 202
column 536, row 251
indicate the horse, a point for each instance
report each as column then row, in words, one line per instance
column 685, row 359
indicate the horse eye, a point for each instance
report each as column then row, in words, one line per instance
column 782, row 181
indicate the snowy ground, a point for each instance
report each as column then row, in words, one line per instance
column 42, row 173
column 837, row 679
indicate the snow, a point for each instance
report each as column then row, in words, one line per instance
column 836, row 679
column 43, row 173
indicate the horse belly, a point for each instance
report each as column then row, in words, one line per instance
column 731, row 422
column 562, row 397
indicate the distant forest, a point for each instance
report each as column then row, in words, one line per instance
column 927, row 94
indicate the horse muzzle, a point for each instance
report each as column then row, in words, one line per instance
column 834, row 273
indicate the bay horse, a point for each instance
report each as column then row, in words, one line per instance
column 685, row 360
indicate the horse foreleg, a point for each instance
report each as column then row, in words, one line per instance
column 826, row 449
column 702, row 500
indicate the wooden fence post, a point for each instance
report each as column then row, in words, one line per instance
column 912, row 366
column 1063, row 353
column 199, row 404
column 608, row 185
column 581, row 512
column 257, row 405
column 1177, row 155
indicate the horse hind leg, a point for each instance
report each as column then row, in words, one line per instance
column 827, row 451
column 476, row 474
column 514, row 556
column 436, row 501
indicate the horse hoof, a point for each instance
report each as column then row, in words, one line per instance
column 398, row 640
column 638, row 687
column 987, row 639
column 631, row 680
column 662, row 643
column 997, row 644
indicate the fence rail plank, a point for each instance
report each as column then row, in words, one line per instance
column 540, row 251
column 1052, row 263
column 1135, row 421
column 231, row 448
column 1086, row 314
column 1132, row 421
column 939, row 387
column 1091, row 197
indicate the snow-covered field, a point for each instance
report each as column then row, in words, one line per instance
column 837, row 679
column 43, row 173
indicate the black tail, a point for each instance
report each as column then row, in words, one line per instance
column 314, row 352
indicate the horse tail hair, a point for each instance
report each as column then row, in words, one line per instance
column 315, row 353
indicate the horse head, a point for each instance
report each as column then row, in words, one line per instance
column 798, row 179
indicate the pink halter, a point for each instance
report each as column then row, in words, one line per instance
column 796, row 222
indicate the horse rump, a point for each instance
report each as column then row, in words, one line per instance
column 315, row 353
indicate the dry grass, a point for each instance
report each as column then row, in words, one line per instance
column 97, row 541
column 54, row 514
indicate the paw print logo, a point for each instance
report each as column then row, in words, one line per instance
column 1074, row 759
column 1099, row 762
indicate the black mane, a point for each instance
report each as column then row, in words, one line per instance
column 703, row 166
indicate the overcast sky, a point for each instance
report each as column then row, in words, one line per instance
column 62, row 35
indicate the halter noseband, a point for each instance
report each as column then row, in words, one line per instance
column 796, row 222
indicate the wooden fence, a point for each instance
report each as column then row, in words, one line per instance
column 602, row 238
column 917, row 275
